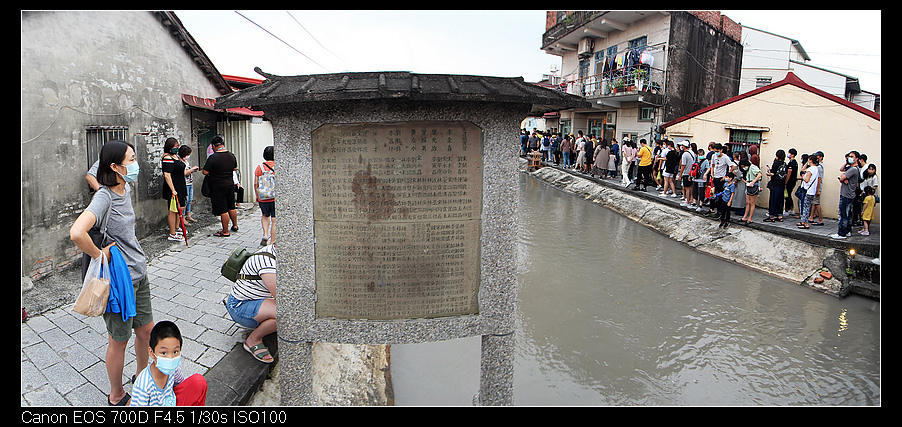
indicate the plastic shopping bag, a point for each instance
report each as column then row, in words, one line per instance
column 95, row 290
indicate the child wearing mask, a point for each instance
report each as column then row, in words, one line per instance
column 162, row 382
column 867, row 213
column 725, row 198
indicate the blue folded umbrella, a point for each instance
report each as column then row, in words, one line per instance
column 122, row 292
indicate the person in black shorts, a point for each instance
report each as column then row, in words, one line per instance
column 218, row 169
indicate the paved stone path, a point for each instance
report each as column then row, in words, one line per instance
column 62, row 362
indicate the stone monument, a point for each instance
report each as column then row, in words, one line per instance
column 397, row 200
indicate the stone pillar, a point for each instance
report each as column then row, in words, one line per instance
column 397, row 200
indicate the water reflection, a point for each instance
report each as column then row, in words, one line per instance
column 612, row 313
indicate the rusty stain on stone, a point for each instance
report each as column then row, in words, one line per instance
column 371, row 197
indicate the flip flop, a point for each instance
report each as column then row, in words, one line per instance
column 220, row 234
column 122, row 402
column 259, row 351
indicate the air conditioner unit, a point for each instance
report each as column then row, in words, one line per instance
column 585, row 46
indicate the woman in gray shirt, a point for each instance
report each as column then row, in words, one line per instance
column 118, row 167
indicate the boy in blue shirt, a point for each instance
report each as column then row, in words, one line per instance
column 162, row 383
column 725, row 199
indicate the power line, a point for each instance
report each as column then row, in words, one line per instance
column 311, row 36
column 283, row 41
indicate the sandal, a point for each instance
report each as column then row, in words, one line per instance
column 259, row 351
column 804, row 227
column 234, row 228
column 221, row 234
column 122, row 402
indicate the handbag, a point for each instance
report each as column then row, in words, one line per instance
column 95, row 289
column 800, row 192
column 205, row 187
column 753, row 190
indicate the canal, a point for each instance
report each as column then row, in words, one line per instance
column 612, row 313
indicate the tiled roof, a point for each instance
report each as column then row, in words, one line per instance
column 790, row 79
column 277, row 90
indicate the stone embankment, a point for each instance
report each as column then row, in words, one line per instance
column 791, row 259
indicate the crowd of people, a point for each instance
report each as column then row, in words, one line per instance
column 158, row 380
column 720, row 181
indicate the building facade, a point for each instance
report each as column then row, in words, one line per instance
column 640, row 69
column 92, row 76
column 768, row 58
column 789, row 114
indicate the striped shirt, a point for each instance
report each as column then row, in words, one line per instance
column 256, row 265
column 146, row 393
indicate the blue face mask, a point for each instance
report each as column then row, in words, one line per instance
column 131, row 172
column 166, row 365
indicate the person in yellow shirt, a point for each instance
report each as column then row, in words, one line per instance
column 867, row 214
column 644, row 166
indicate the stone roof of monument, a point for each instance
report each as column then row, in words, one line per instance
column 279, row 90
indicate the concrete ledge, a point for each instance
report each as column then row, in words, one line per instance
column 235, row 378
column 786, row 254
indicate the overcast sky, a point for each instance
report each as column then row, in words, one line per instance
column 505, row 43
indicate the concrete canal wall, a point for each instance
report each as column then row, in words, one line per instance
column 791, row 259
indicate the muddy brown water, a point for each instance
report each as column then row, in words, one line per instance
column 612, row 313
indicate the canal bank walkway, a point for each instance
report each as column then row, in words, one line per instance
column 62, row 359
column 866, row 247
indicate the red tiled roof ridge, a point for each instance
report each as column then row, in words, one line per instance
column 790, row 79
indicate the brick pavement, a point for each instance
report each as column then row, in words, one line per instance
column 63, row 352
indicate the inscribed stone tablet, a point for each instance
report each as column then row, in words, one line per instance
column 397, row 219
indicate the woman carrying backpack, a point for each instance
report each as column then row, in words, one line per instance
column 264, row 189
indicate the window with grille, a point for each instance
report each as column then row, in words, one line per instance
column 742, row 139
column 96, row 136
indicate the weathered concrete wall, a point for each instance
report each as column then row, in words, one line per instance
column 83, row 69
column 770, row 253
column 699, row 58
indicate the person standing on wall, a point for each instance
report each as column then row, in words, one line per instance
column 848, row 179
column 777, row 183
column 644, row 156
column 219, row 168
column 792, row 172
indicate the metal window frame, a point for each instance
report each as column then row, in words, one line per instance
column 96, row 136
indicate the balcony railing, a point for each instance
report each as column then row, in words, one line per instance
column 572, row 21
column 639, row 78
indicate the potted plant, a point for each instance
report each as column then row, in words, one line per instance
column 655, row 87
column 639, row 76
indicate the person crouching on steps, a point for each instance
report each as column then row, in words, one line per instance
column 252, row 300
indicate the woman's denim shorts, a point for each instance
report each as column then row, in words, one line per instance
column 243, row 311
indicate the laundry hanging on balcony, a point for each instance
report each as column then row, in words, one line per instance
column 646, row 58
